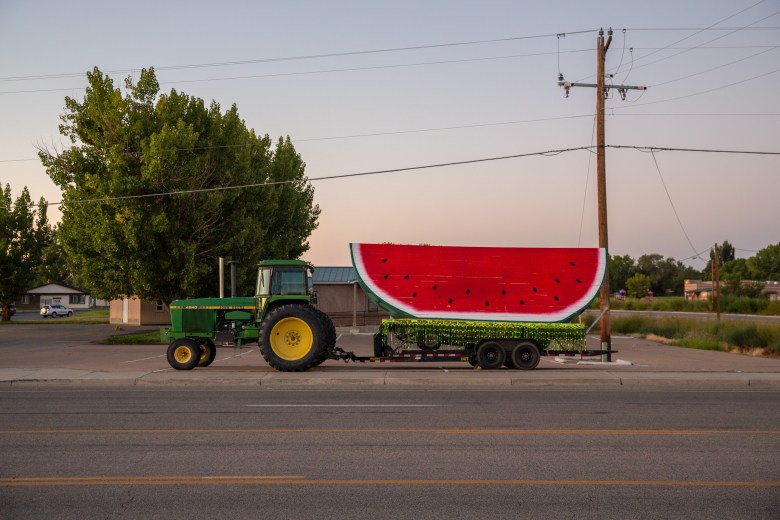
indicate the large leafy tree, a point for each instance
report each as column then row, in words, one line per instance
column 765, row 265
column 24, row 234
column 146, row 205
column 726, row 254
column 621, row 268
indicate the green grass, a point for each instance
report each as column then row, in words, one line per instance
column 89, row 317
column 137, row 338
column 729, row 304
column 706, row 335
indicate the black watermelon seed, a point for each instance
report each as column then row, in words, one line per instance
column 572, row 264
column 450, row 302
column 406, row 277
column 384, row 260
column 556, row 298
column 522, row 302
column 487, row 304
column 535, row 289
column 557, row 280
column 468, row 291
column 387, row 276
column 414, row 295
column 434, row 287
column 503, row 291
column 578, row 280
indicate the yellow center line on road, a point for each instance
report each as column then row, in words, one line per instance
column 265, row 480
column 508, row 431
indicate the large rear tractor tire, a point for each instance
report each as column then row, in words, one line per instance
column 294, row 337
column 329, row 343
column 183, row 354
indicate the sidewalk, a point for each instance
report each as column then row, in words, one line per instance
column 639, row 363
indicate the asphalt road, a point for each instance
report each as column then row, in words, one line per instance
column 512, row 453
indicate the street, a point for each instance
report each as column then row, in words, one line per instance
column 404, row 453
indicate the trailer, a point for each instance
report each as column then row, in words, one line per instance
column 294, row 335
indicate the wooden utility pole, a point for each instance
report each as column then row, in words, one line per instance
column 601, row 164
column 601, row 176
column 716, row 280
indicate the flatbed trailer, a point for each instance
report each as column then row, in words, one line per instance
column 490, row 345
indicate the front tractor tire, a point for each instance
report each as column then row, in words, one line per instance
column 294, row 337
column 184, row 354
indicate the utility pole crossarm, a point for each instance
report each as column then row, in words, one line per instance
column 567, row 85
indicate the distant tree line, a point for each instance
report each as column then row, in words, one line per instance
column 666, row 276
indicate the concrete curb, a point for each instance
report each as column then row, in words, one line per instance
column 16, row 378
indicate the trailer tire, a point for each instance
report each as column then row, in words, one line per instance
column 525, row 355
column 183, row 354
column 208, row 351
column 490, row 355
column 293, row 337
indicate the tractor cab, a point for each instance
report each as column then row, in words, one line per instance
column 284, row 280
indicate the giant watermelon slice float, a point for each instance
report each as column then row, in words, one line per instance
column 480, row 283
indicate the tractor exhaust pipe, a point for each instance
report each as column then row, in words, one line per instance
column 221, row 277
column 233, row 264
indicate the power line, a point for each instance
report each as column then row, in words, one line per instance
column 300, row 57
column 715, row 68
column 547, row 153
column 697, row 93
column 698, row 31
column 312, row 72
column 355, row 136
column 587, row 180
column 651, row 149
column 710, row 27
column 314, row 179
column 668, row 196
column 447, row 128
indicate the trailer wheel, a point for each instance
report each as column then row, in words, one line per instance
column 490, row 355
column 293, row 338
column 525, row 355
column 208, row 351
column 183, row 354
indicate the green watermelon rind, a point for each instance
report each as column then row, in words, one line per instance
column 383, row 300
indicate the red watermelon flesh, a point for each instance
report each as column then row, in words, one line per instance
column 480, row 283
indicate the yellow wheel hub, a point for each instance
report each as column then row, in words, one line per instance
column 182, row 354
column 291, row 339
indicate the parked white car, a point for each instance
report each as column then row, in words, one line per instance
column 55, row 311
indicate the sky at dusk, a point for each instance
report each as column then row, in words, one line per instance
column 372, row 86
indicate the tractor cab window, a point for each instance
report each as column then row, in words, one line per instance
column 264, row 281
column 288, row 281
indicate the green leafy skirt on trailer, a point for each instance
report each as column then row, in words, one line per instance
column 553, row 337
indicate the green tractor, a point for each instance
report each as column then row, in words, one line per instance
column 293, row 335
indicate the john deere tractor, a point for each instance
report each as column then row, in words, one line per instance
column 293, row 335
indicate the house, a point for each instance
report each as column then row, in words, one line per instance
column 134, row 311
column 56, row 293
column 340, row 296
column 700, row 290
